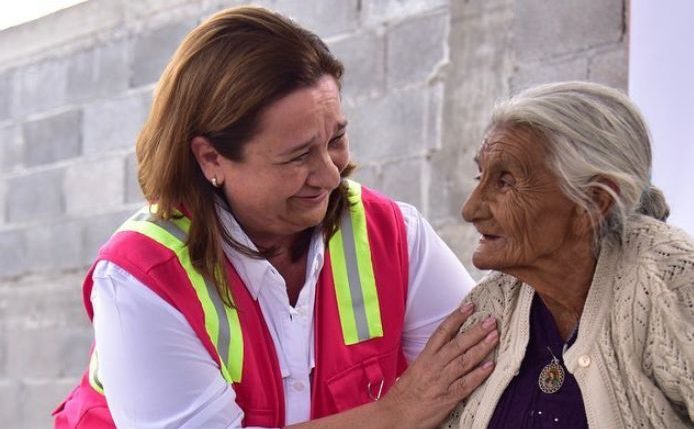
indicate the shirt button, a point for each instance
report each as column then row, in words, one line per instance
column 584, row 361
column 298, row 386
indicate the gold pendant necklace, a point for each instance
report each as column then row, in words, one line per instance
column 552, row 375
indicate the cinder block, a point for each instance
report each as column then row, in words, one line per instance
column 611, row 68
column 393, row 126
column 482, row 59
column 415, row 48
column 114, row 123
column 6, row 95
column 94, row 185
column 4, row 346
column 133, row 193
column 40, row 397
column 529, row 75
column 68, row 347
column 369, row 175
column 98, row 72
column 97, row 231
column 451, row 180
column 11, row 147
column 146, row 8
column 152, row 50
column 461, row 238
column 27, row 305
column 54, row 247
column 36, row 196
column 53, row 138
column 363, row 56
column 10, row 400
column 378, row 11
column 12, row 248
column 550, row 28
column 41, row 86
column 3, row 200
column 476, row 8
column 434, row 124
column 325, row 18
column 404, row 181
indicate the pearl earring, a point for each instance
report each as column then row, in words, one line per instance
column 214, row 182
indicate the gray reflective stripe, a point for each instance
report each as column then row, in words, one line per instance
column 167, row 225
column 224, row 335
column 350, row 250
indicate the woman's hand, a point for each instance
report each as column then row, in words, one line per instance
column 447, row 371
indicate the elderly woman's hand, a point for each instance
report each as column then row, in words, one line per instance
column 447, row 371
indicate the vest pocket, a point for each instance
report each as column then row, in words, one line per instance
column 364, row 382
column 259, row 417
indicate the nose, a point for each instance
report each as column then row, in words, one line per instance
column 474, row 208
column 324, row 173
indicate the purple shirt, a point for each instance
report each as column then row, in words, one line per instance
column 523, row 405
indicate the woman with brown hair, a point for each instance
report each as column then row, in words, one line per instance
column 261, row 287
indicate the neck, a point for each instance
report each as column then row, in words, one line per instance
column 563, row 284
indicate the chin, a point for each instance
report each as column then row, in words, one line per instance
column 484, row 262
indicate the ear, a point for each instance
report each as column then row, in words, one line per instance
column 602, row 203
column 603, row 199
column 208, row 159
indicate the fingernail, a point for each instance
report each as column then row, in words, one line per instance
column 492, row 336
column 489, row 322
column 467, row 307
column 487, row 364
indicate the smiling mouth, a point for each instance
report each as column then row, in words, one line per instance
column 313, row 198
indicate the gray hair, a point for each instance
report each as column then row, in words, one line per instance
column 593, row 133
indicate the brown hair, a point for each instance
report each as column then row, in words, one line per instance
column 218, row 83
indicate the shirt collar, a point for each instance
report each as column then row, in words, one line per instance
column 255, row 272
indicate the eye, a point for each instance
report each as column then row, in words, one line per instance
column 506, row 180
column 301, row 158
column 337, row 140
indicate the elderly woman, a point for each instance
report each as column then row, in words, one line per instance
column 260, row 287
column 594, row 293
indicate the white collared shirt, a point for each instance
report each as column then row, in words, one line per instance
column 157, row 373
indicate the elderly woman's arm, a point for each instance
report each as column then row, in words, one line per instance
column 670, row 344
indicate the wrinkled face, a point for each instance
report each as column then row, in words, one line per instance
column 281, row 185
column 524, row 217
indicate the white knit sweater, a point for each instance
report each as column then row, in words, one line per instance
column 633, row 358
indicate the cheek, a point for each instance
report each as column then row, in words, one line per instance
column 518, row 217
column 340, row 157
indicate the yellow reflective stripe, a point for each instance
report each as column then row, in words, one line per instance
column 355, row 285
column 344, row 298
column 235, row 364
column 94, row 380
column 232, row 354
column 366, row 271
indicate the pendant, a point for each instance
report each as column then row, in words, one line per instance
column 551, row 377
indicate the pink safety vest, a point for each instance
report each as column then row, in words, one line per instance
column 352, row 367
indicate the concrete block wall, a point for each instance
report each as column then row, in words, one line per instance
column 75, row 88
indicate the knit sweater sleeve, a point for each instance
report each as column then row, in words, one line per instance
column 495, row 295
column 670, row 338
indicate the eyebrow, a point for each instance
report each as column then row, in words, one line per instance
column 340, row 127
